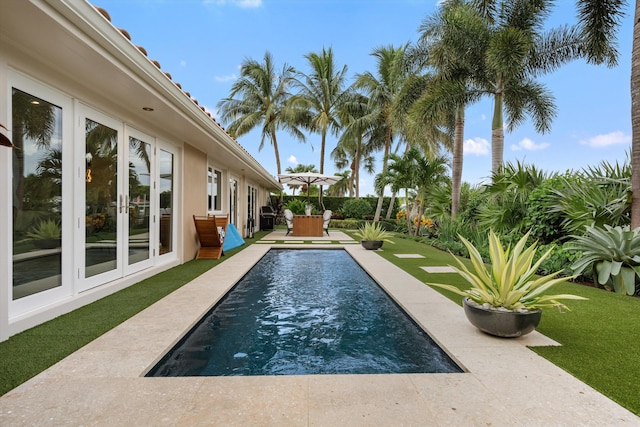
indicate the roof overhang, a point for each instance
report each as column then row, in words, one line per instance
column 59, row 37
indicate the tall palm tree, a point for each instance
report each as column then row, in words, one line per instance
column 321, row 92
column 450, row 44
column 264, row 102
column 383, row 91
column 518, row 51
column 352, row 150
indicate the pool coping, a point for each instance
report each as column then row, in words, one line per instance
column 505, row 383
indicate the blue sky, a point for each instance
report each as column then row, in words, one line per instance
column 202, row 43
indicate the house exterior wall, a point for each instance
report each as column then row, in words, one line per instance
column 195, row 180
column 81, row 64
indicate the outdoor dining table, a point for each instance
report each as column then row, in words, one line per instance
column 307, row 225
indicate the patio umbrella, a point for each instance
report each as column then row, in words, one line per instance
column 308, row 178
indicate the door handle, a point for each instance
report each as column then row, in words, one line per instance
column 121, row 203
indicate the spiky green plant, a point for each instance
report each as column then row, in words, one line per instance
column 511, row 280
column 48, row 229
column 614, row 255
column 373, row 231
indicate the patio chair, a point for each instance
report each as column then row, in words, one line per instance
column 326, row 218
column 288, row 217
column 210, row 231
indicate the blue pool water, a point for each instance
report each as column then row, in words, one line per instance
column 305, row 311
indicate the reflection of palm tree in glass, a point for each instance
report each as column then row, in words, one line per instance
column 101, row 179
column 33, row 120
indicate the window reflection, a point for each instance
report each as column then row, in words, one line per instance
column 37, row 194
column 101, row 156
column 166, row 202
column 139, row 196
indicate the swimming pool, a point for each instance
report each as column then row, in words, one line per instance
column 305, row 311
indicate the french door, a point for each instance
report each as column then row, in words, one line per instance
column 118, row 205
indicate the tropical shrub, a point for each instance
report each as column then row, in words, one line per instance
column 595, row 197
column 296, row 206
column 511, row 281
column 508, row 195
column 356, row 208
column 544, row 222
column 613, row 253
column 560, row 259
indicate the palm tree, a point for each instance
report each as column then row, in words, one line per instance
column 340, row 188
column 516, row 52
column 264, row 102
column 428, row 174
column 399, row 174
column 383, row 91
column 450, row 43
column 351, row 150
column 321, row 93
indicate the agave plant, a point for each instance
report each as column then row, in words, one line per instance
column 511, row 281
column 614, row 255
column 373, row 231
column 48, row 229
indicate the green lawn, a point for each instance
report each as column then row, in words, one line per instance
column 599, row 337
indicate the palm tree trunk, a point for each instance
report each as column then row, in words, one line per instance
column 635, row 122
column 497, row 132
column 391, row 203
column 387, row 147
column 276, row 151
column 456, row 166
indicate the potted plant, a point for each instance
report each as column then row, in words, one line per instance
column 505, row 300
column 372, row 235
column 46, row 235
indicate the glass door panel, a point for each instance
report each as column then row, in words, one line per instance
column 37, row 194
column 166, row 201
column 139, row 201
column 103, row 204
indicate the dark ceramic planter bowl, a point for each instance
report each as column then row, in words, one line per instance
column 371, row 245
column 507, row 324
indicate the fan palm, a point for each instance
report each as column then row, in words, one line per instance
column 264, row 101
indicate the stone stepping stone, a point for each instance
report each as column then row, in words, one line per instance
column 439, row 269
column 409, row 256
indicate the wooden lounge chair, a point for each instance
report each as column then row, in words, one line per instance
column 211, row 231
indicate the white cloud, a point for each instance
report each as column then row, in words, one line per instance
column 224, row 79
column 292, row 159
column 529, row 145
column 476, row 146
column 617, row 137
column 183, row 63
column 244, row 4
column 483, row 117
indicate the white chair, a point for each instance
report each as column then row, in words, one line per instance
column 288, row 217
column 326, row 218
